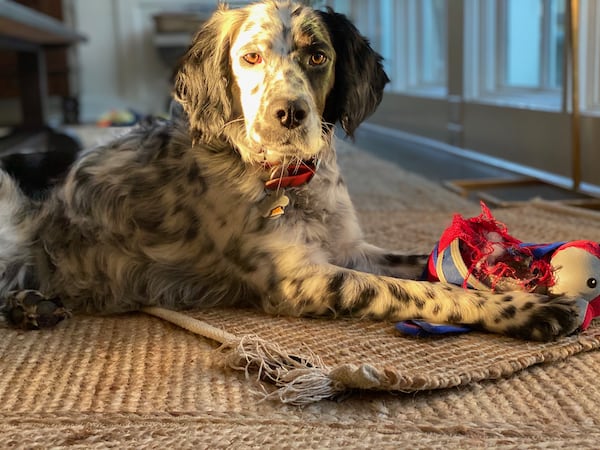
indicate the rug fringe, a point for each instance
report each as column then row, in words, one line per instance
column 299, row 379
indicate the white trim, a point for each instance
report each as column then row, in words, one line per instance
column 589, row 57
column 521, row 100
column 550, row 178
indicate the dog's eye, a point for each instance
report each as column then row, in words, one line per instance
column 252, row 58
column 316, row 59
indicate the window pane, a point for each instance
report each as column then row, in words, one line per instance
column 433, row 49
column 523, row 43
column 556, row 43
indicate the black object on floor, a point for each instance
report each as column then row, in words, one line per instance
column 38, row 169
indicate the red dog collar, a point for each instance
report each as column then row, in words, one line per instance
column 292, row 176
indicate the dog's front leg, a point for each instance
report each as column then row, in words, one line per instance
column 318, row 290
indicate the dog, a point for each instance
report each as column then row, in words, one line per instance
column 239, row 201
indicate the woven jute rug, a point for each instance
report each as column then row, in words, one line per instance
column 137, row 381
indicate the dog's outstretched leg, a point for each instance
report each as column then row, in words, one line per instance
column 320, row 290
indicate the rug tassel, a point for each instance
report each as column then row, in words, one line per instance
column 300, row 380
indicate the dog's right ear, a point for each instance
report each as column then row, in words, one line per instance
column 359, row 74
column 202, row 78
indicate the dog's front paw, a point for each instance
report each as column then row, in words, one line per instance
column 549, row 319
column 30, row 310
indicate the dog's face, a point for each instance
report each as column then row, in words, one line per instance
column 283, row 63
column 273, row 78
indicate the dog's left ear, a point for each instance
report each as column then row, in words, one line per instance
column 359, row 75
column 202, row 78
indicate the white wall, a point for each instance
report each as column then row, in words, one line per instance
column 97, row 59
column 119, row 66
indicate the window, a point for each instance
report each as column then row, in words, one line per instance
column 415, row 44
column 515, row 51
column 533, row 32
column 365, row 15
column 410, row 35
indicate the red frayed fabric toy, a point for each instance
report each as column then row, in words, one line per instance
column 479, row 253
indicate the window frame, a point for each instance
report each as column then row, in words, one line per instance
column 589, row 56
column 410, row 14
column 485, row 60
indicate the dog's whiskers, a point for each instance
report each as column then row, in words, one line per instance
column 231, row 122
column 297, row 162
column 284, row 167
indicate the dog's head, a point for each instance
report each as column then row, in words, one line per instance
column 275, row 76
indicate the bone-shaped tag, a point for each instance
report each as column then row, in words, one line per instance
column 276, row 208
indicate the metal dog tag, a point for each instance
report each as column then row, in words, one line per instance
column 276, row 207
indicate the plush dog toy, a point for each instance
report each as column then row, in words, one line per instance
column 478, row 253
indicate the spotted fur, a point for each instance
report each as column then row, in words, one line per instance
column 173, row 214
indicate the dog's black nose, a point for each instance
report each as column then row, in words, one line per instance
column 290, row 113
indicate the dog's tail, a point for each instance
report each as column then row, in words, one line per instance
column 17, row 234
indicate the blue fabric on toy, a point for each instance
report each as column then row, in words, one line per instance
column 420, row 328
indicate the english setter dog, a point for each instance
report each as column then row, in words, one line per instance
column 240, row 200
